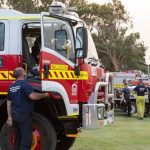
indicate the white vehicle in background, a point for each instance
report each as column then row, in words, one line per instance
column 132, row 78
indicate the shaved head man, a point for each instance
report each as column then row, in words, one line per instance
column 20, row 106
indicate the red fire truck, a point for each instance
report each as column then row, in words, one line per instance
column 59, row 56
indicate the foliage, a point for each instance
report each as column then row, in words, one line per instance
column 117, row 50
column 69, row 3
column 1, row 3
column 36, row 6
column 25, row 6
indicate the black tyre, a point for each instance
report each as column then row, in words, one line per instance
column 44, row 136
column 0, row 141
column 65, row 143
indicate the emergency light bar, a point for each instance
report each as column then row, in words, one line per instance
column 58, row 8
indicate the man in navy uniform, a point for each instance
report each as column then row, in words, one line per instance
column 126, row 95
column 20, row 105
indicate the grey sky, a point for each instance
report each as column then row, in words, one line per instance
column 139, row 11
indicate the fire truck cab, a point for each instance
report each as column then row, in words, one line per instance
column 59, row 56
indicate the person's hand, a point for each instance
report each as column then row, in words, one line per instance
column 9, row 121
column 46, row 95
column 122, row 99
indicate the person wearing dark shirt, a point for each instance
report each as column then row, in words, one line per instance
column 36, row 50
column 140, row 100
column 126, row 95
column 20, row 107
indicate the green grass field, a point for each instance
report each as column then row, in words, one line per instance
column 124, row 134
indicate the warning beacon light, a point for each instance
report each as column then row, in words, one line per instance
column 57, row 8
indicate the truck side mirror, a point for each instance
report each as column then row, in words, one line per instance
column 81, row 42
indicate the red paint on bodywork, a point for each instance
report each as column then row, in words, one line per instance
column 85, row 87
column 9, row 63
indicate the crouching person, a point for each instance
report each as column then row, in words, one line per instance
column 126, row 95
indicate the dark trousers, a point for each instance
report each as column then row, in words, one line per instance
column 148, row 105
column 23, row 131
column 128, row 106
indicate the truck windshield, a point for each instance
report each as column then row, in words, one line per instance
column 2, row 36
column 58, row 37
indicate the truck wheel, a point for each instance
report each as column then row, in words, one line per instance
column 44, row 136
column 65, row 143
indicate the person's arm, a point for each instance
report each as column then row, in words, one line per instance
column 122, row 97
column 28, row 91
column 123, row 91
column 38, row 96
column 9, row 108
column 146, row 90
column 135, row 90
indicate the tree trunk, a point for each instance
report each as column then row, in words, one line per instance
column 116, row 67
column 115, row 63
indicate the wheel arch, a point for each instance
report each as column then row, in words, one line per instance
column 3, row 112
column 59, row 88
column 51, row 109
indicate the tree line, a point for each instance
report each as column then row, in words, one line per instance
column 110, row 24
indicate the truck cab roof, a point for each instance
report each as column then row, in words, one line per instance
column 11, row 14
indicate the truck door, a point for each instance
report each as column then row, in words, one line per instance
column 57, row 57
column 4, row 47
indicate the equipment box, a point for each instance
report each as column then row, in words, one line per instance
column 93, row 116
